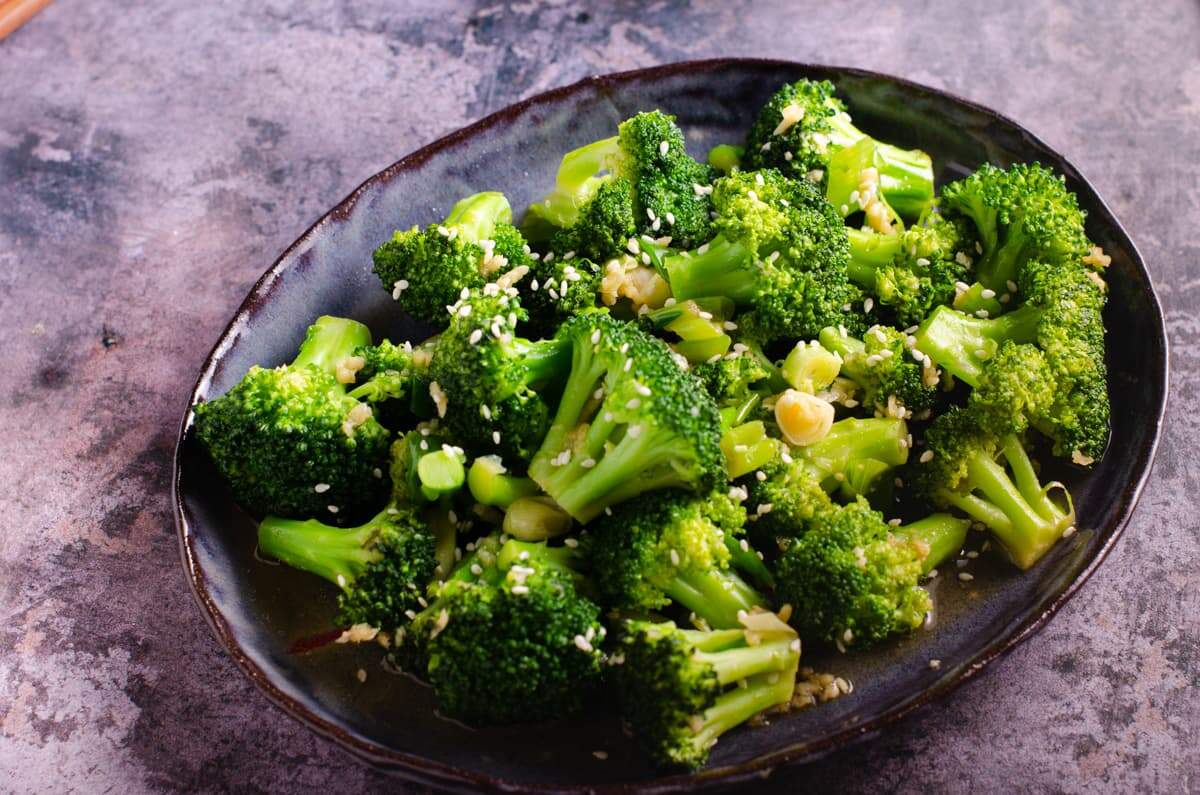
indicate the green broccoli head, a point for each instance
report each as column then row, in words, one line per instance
column 629, row 420
column 604, row 225
column 991, row 479
column 893, row 383
column 654, row 183
column 1071, row 334
column 931, row 261
column 488, row 375
column 382, row 567
column 1017, row 387
column 669, row 547
column 798, row 129
column 850, row 581
column 792, row 490
column 427, row 269
column 511, row 645
column 1022, row 213
column 781, row 252
column 681, row 689
column 731, row 378
column 559, row 287
column 671, row 187
column 290, row 441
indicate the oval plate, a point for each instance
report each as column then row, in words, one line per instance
column 259, row 610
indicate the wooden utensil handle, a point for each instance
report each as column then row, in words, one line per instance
column 15, row 13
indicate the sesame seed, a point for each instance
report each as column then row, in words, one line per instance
column 965, row 576
column 987, row 293
column 377, row 472
column 495, row 437
column 476, row 336
column 587, row 463
column 520, row 590
column 981, row 313
column 926, row 457
column 601, row 755
column 868, row 304
column 1011, row 285
column 1070, row 531
column 321, row 488
column 935, row 664
column 663, row 147
column 476, row 569
column 674, row 558
column 332, row 508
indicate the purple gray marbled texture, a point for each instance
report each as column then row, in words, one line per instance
column 155, row 158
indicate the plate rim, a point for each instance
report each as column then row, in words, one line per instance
column 430, row 772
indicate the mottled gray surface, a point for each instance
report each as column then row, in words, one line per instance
column 154, row 158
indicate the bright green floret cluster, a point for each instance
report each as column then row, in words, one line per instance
column 682, row 418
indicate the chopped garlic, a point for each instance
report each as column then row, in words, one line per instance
column 804, row 419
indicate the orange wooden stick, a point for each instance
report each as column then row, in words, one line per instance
column 15, row 13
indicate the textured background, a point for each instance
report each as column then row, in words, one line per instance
column 154, row 161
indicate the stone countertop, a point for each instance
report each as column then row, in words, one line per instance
column 155, row 158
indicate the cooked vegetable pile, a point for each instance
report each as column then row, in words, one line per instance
column 682, row 417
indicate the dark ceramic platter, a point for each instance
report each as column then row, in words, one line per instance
column 259, row 610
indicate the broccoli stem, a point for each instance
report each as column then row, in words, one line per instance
column 905, row 179
column 719, row 267
column 536, row 518
column 726, row 158
column 577, row 182
column 335, row 553
column 738, row 705
column 941, row 534
column 329, row 340
column 1017, row 509
column 743, row 662
column 851, row 440
column 441, row 474
column 962, row 344
column 869, row 251
column 746, row 560
column 475, row 217
column 714, row 595
column 566, row 559
column 491, row 484
column 747, row 447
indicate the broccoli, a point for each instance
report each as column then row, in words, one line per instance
column 508, row 638
column 1022, row 213
column 1017, row 387
column 1071, row 335
column 913, row 272
column 701, row 326
column 671, row 547
column 489, row 376
column 726, row 158
column 427, row 269
column 558, row 287
column 1062, row 315
column 290, row 441
column 963, row 344
column 491, row 483
column 794, row 486
column 810, row 367
column 780, row 252
column 803, row 125
column 628, row 421
column 682, row 689
column 851, row 581
column 382, row 566
column 892, row 382
column 604, row 225
column 991, row 478
column 668, row 187
column 731, row 378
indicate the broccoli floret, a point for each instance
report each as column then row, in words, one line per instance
column 426, row 269
column 385, row 376
column 780, row 252
column 668, row 186
column 489, row 375
column 507, row 639
column 290, row 441
column 382, row 566
column 1071, row 335
column 913, row 272
column 726, row 158
column 682, row 689
column 1017, row 387
column 851, row 581
column 803, row 125
column 699, row 324
column 629, row 420
column 604, row 225
column 963, row 344
column 992, row 479
column 557, row 288
column 854, row 456
column 893, row 383
column 1022, row 213
column 671, row 547
column 1062, row 315
column 733, row 377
